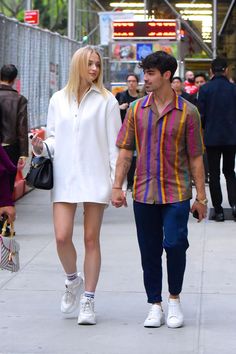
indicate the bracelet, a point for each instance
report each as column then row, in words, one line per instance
column 116, row 188
column 203, row 202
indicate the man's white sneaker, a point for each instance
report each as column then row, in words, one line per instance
column 155, row 317
column 175, row 318
column 86, row 314
column 70, row 299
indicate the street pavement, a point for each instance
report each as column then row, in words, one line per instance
column 30, row 318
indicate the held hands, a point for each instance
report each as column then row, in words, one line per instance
column 118, row 198
column 199, row 209
column 37, row 144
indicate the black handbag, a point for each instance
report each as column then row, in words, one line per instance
column 40, row 174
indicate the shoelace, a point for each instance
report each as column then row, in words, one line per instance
column 151, row 312
column 86, row 306
column 68, row 296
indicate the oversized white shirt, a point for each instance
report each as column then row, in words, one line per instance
column 82, row 140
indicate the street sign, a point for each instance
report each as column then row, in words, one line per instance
column 31, row 17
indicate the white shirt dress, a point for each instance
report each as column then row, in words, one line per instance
column 82, row 140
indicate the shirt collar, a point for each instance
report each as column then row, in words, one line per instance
column 177, row 103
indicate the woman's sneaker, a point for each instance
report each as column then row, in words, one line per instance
column 86, row 314
column 70, row 299
column 175, row 318
column 155, row 317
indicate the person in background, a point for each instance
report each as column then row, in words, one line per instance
column 189, row 85
column 6, row 203
column 125, row 98
column 82, row 126
column 13, row 119
column 217, row 106
column 177, row 85
column 166, row 131
column 131, row 94
column 200, row 80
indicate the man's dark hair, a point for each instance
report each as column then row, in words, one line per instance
column 218, row 65
column 200, row 75
column 160, row 60
column 131, row 74
column 8, row 73
column 176, row 78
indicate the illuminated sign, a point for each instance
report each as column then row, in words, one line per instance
column 157, row 29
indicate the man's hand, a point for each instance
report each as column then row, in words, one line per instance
column 201, row 209
column 118, row 198
column 9, row 211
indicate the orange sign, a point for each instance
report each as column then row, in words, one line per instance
column 31, row 17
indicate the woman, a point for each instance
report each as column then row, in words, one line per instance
column 83, row 123
column 7, row 169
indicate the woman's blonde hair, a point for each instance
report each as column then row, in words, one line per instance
column 79, row 69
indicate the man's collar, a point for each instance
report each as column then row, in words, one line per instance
column 176, row 103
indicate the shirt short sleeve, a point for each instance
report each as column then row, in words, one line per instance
column 194, row 139
column 126, row 136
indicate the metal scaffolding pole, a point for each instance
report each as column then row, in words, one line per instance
column 71, row 19
column 214, row 30
column 29, row 5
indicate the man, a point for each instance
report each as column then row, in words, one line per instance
column 125, row 98
column 13, row 119
column 189, row 85
column 166, row 130
column 6, row 203
column 217, row 106
column 200, row 80
column 177, row 85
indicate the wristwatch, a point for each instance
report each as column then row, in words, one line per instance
column 202, row 201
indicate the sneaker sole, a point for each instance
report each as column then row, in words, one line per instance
column 154, row 326
column 86, row 322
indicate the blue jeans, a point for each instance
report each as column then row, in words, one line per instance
column 162, row 226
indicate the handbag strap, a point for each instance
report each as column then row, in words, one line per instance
column 49, row 153
column 4, row 229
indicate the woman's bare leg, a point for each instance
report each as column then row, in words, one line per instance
column 63, row 216
column 93, row 215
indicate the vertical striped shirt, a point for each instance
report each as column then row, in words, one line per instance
column 164, row 144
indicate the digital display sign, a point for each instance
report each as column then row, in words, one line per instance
column 156, row 29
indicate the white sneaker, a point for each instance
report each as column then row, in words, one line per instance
column 70, row 300
column 155, row 317
column 175, row 318
column 86, row 314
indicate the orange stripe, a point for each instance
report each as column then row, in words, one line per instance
column 176, row 147
column 177, row 102
column 162, row 159
column 135, row 126
column 127, row 128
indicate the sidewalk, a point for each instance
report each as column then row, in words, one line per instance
column 30, row 318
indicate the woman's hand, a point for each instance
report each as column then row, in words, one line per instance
column 10, row 211
column 37, row 144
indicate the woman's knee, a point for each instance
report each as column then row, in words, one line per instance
column 63, row 240
column 91, row 242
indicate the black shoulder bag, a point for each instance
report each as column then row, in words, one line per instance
column 40, row 174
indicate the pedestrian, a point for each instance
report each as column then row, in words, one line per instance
column 177, row 85
column 217, row 106
column 166, row 131
column 13, row 119
column 6, row 203
column 189, row 85
column 82, row 126
column 131, row 94
column 125, row 98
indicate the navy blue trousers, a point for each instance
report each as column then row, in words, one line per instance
column 162, row 226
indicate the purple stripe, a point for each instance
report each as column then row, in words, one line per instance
column 149, row 135
column 180, row 102
column 170, row 143
column 140, row 129
column 191, row 139
column 160, row 124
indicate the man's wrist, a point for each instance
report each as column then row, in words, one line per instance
column 203, row 201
